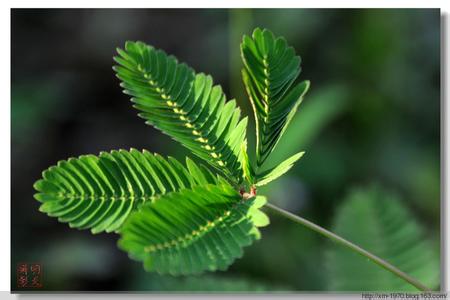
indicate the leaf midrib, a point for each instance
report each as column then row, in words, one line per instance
column 199, row 136
column 196, row 234
column 104, row 197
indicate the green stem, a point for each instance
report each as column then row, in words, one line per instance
column 382, row 263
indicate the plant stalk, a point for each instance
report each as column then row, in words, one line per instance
column 334, row 237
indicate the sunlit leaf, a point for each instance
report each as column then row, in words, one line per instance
column 274, row 173
column 99, row 192
column 184, row 105
column 270, row 69
column 193, row 230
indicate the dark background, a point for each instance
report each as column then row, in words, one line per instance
column 372, row 115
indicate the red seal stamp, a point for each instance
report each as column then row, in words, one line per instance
column 29, row 275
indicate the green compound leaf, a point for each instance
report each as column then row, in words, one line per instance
column 377, row 221
column 270, row 69
column 274, row 173
column 193, row 230
column 100, row 192
column 184, row 105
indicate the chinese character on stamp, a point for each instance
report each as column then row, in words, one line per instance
column 29, row 275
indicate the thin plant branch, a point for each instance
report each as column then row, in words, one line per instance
column 340, row 240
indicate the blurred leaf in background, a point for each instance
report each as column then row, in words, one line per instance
column 31, row 107
column 320, row 109
column 203, row 283
column 379, row 221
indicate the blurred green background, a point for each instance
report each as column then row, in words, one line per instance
column 371, row 121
